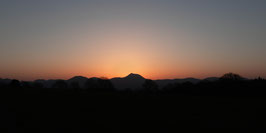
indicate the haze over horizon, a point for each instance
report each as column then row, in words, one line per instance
column 131, row 75
column 158, row 39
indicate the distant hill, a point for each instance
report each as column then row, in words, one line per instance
column 5, row 81
column 48, row 83
column 211, row 79
column 163, row 82
column 135, row 81
column 134, row 76
column 132, row 81
column 78, row 79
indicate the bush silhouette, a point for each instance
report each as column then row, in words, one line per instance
column 231, row 77
column 14, row 84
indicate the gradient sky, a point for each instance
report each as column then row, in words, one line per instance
column 52, row 39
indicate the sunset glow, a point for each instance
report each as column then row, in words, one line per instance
column 173, row 39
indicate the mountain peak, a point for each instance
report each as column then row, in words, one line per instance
column 78, row 78
column 134, row 76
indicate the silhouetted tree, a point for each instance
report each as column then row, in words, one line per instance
column 14, row 84
column 260, row 79
column 231, row 77
column 150, row 85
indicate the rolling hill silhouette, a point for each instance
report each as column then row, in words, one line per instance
column 134, row 76
column 210, row 102
column 79, row 80
column 132, row 81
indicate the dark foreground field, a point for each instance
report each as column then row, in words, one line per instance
column 61, row 110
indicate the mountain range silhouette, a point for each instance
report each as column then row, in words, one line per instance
column 100, row 102
column 132, row 81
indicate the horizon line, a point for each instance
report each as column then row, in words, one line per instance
column 103, row 77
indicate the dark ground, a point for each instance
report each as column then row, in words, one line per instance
column 59, row 110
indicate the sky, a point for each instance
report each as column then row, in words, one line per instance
column 159, row 39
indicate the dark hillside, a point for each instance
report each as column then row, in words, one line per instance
column 218, row 104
